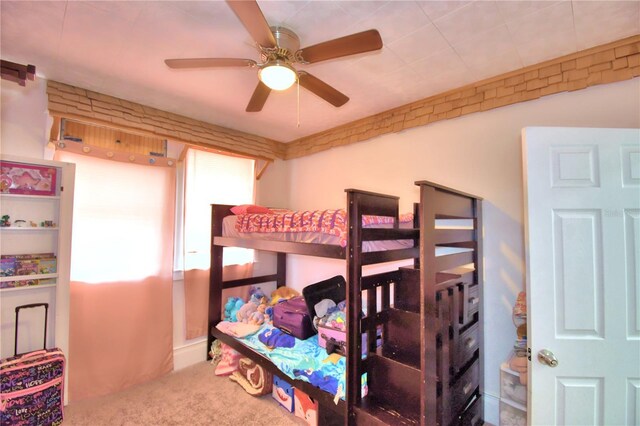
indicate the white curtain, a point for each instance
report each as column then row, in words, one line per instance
column 121, row 319
column 211, row 179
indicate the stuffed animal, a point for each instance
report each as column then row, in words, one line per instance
column 260, row 315
column 282, row 293
column 231, row 308
column 256, row 294
column 245, row 312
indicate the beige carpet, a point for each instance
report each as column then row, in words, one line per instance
column 192, row 396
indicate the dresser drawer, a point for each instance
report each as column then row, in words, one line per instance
column 472, row 416
column 470, row 302
column 466, row 345
column 464, row 387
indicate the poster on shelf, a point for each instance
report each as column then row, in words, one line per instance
column 27, row 179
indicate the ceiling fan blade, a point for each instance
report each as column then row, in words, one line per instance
column 253, row 20
column 258, row 98
column 365, row 41
column 209, row 62
column 322, row 89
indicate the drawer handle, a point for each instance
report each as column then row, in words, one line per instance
column 470, row 342
column 467, row 388
column 473, row 300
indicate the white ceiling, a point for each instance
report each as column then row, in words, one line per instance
column 118, row 48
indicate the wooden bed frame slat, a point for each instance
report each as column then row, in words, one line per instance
column 308, row 249
column 371, row 203
column 241, row 282
column 450, row 261
column 382, row 234
column 373, row 257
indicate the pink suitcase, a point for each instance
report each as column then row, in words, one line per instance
column 335, row 340
column 32, row 384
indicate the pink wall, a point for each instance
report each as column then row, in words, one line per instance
column 479, row 154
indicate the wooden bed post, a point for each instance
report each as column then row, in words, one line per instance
column 428, row 308
column 215, row 270
column 281, row 270
column 354, row 307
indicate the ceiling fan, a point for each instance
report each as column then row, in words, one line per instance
column 279, row 49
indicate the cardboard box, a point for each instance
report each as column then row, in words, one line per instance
column 305, row 407
column 283, row 393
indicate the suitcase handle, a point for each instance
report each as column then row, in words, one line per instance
column 46, row 314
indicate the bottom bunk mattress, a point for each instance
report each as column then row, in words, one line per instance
column 299, row 359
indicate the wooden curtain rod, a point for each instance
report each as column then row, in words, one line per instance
column 16, row 72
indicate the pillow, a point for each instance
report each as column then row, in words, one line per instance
column 249, row 208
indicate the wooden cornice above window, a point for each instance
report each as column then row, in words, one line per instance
column 83, row 105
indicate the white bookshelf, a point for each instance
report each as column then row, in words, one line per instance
column 29, row 238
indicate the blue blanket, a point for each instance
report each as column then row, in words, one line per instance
column 301, row 359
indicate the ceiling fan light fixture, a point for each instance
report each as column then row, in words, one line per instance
column 277, row 75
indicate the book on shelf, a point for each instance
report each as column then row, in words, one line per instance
column 47, row 265
column 26, row 267
column 28, row 264
column 28, row 256
column 7, row 267
column 24, row 283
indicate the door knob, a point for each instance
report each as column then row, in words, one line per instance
column 545, row 356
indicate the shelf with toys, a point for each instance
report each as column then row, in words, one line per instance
column 36, row 203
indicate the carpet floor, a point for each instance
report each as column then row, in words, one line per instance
column 192, row 396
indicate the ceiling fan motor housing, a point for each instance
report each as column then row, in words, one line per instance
column 287, row 44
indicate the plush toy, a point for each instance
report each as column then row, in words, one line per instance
column 256, row 294
column 245, row 312
column 282, row 293
column 259, row 316
column 231, row 308
column 268, row 314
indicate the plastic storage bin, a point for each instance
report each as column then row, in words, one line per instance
column 510, row 386
column 512, row 414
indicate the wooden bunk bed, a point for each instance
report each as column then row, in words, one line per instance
column 423, row 341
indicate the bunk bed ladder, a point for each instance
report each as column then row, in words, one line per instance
column 425, row 370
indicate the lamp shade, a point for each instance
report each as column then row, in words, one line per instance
column 277, row 75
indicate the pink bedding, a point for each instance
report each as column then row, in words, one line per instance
column 319, row 226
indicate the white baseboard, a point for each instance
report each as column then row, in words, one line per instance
column 190, row 354
column 491, row 409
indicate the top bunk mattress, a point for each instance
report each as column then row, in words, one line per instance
column 317, row 226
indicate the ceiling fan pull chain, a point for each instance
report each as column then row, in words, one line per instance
column 298, row 101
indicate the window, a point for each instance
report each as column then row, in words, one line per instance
column 213, row 178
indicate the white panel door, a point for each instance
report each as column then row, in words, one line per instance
column 582, row 232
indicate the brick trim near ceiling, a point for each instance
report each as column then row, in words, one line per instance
column 83, row 105
column 604, row 64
